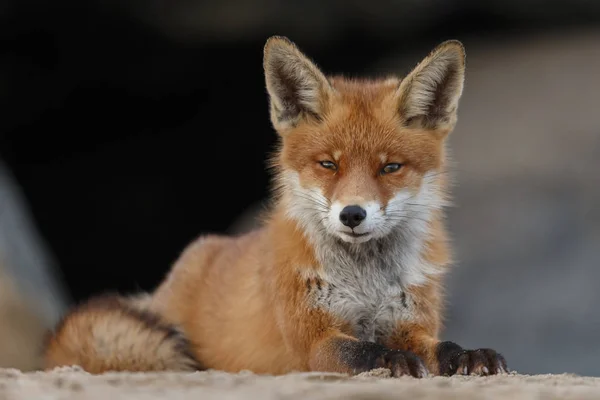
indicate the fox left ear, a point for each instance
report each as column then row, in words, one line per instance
column 429, row 94
column 297, row 88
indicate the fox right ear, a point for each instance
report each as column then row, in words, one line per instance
column 429, row 95
column 297, row 88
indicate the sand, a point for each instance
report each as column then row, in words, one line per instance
column 73, row 383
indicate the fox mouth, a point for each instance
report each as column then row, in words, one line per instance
column 355, row 235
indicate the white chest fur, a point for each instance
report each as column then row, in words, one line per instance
column 366, row 291
column 371, row 305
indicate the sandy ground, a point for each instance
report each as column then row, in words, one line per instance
column 72, row 383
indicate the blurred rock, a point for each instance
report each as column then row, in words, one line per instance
column 21, row 327
column 31, row 294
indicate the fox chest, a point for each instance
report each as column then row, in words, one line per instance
column 371, row 305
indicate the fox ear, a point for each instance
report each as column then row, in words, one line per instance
column 429, row 95
column 297, row 88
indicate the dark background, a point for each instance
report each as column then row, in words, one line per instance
column 131, row 126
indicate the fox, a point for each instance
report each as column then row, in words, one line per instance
column 345, row 271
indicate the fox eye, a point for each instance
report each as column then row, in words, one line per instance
column 328, row 164
column 389, row 168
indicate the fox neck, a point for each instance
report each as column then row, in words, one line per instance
column 400, row 257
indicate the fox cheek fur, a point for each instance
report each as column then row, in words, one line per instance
column 407, row 211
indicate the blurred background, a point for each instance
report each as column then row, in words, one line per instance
column 124, row 123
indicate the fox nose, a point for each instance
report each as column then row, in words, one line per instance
column 352, row 216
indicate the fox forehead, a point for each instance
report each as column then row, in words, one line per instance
column 362, row 127
column 364, row 91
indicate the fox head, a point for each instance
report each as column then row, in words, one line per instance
column 360, row 159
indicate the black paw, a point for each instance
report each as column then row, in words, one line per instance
column 455, row 360
column 366, row 356
column 405, row 363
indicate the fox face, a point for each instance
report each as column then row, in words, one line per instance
column 360, row 159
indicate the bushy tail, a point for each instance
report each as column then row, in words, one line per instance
column 114, row 333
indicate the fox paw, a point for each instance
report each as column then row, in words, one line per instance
column 366, row 356
column 453, row 360
column 403, row 363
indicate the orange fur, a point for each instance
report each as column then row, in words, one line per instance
column 251, row 302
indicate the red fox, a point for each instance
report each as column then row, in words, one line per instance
column 345, row 273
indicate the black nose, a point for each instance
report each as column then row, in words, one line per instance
column 352, row 216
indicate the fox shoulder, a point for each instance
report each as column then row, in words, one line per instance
column 114, row 333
